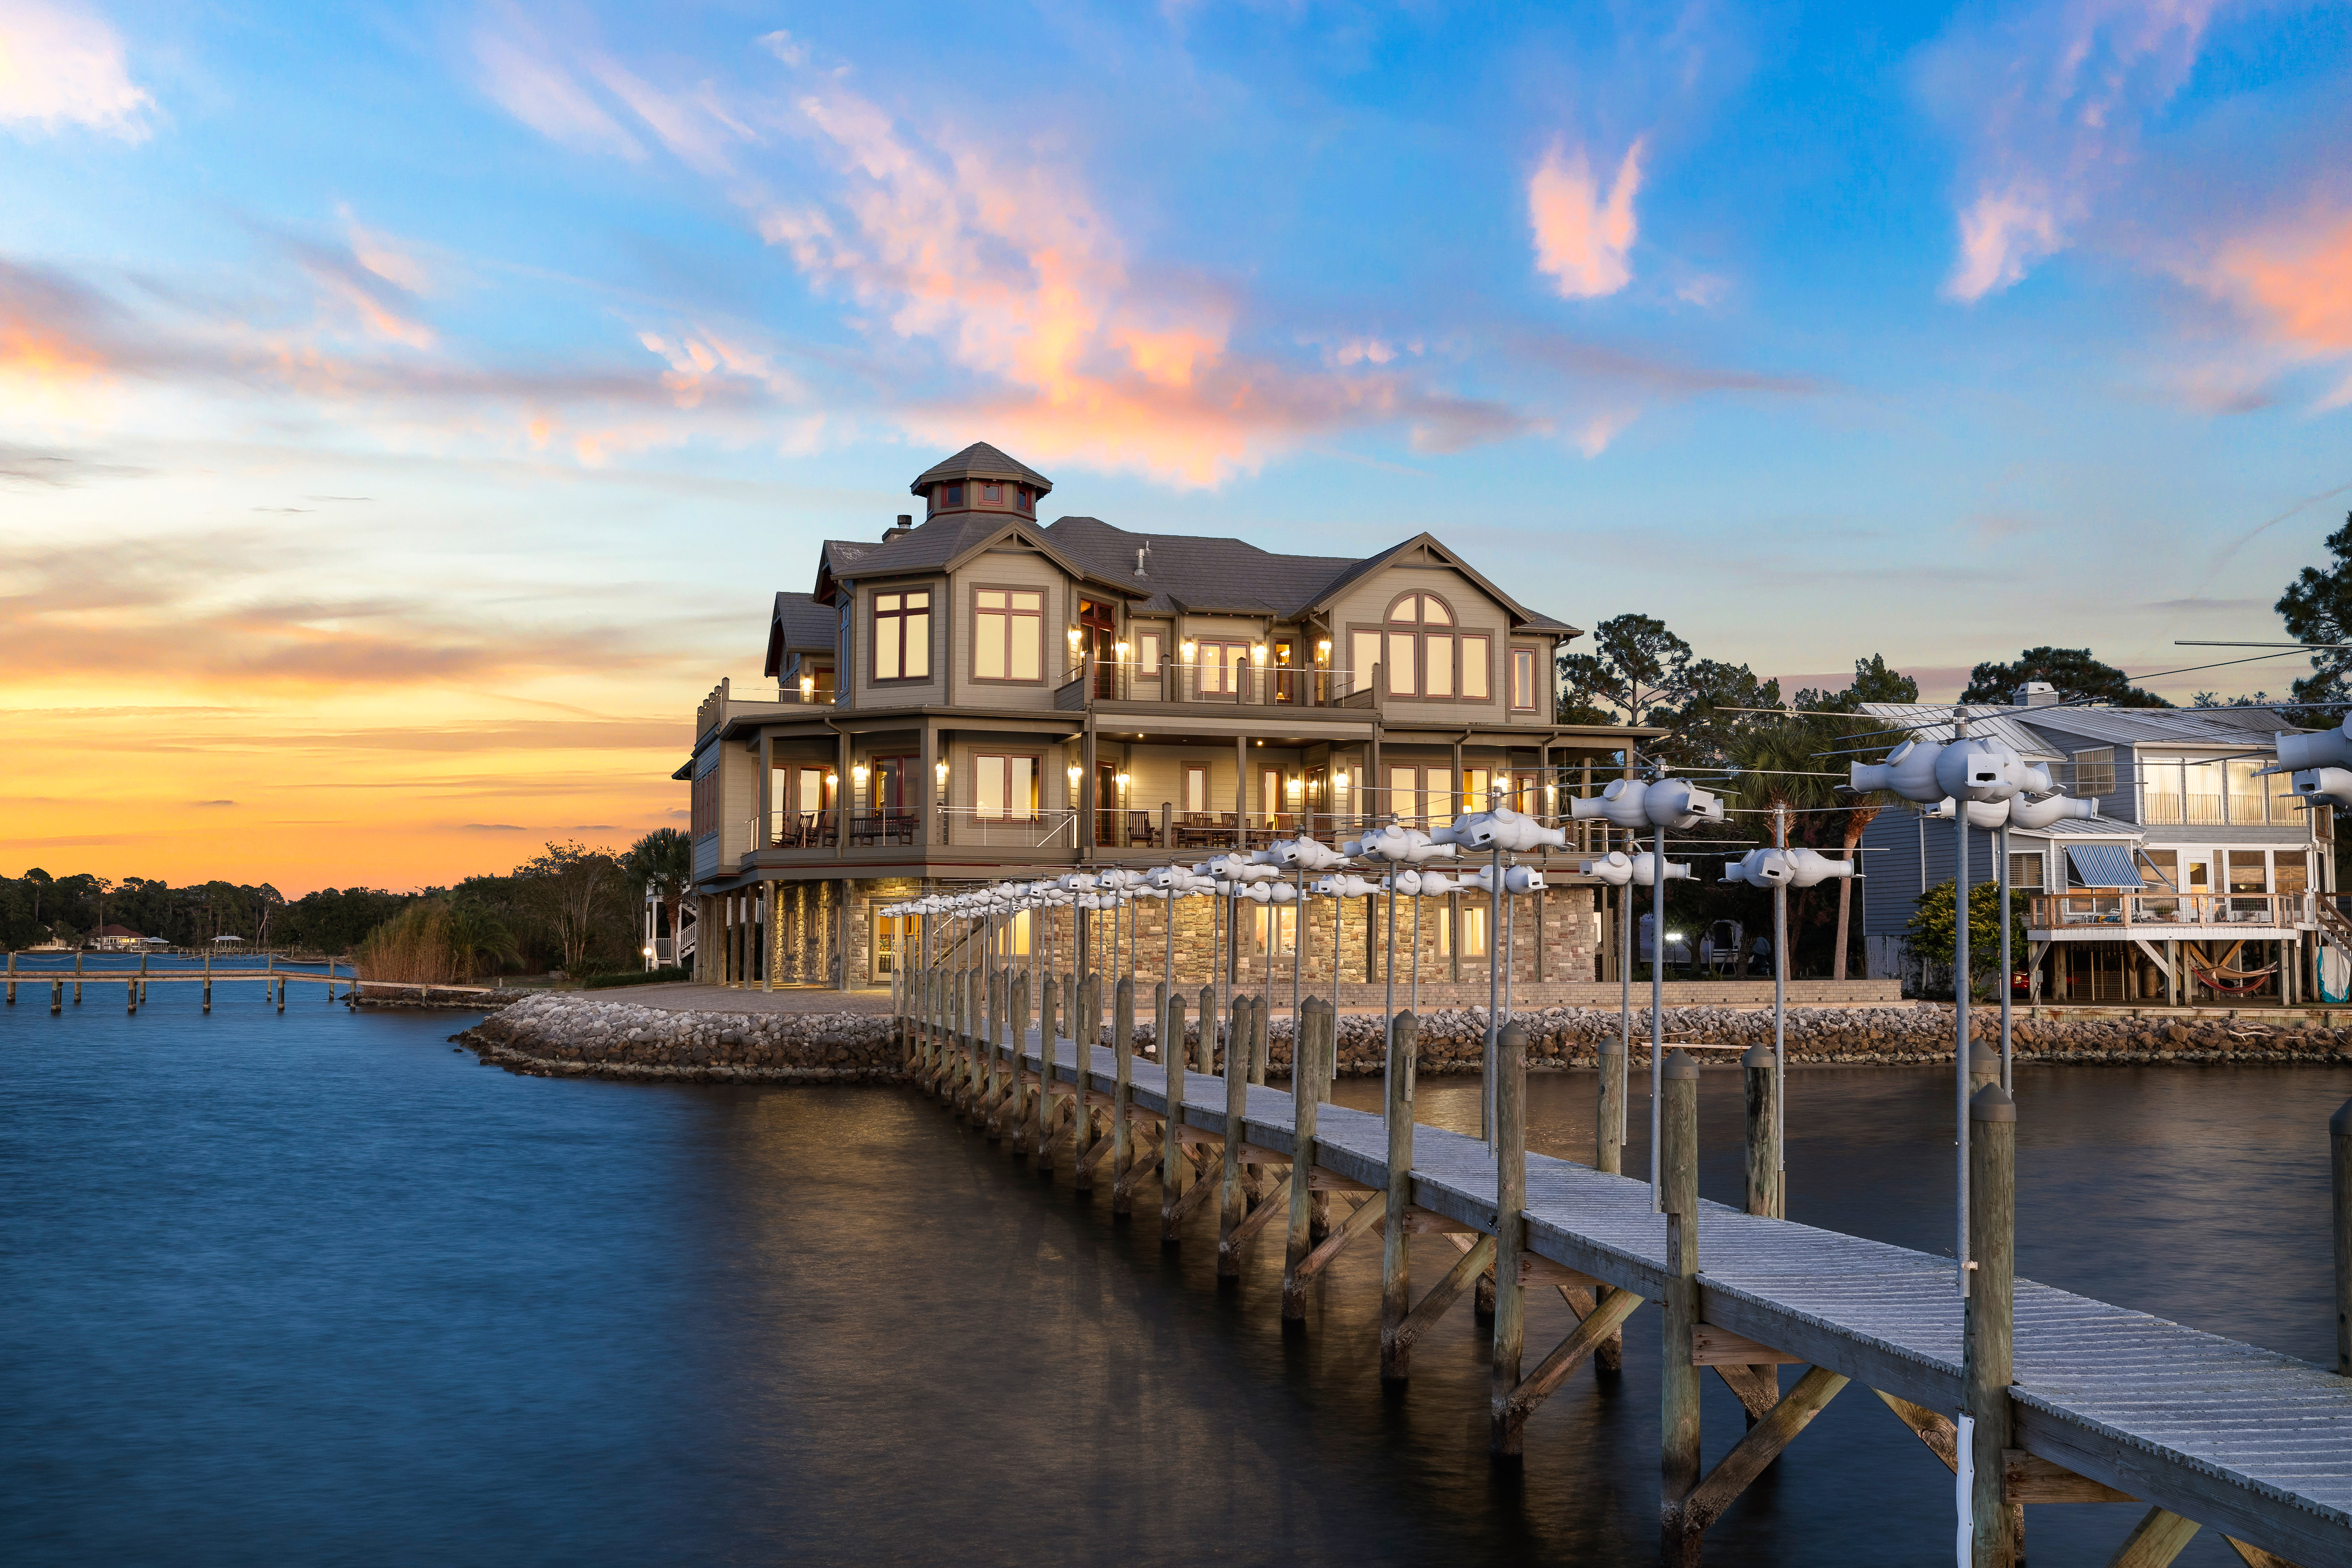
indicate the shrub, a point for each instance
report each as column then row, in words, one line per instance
column 636, row 977
column 413, row 948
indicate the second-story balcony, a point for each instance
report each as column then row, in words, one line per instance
column 1229, row 681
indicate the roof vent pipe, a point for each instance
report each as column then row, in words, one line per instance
column 1140, row 556
column 905, row 525
column 2034, row 694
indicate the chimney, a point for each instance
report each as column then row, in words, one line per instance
column 2034, row 694
column 906, row 524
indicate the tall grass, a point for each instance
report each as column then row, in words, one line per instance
column 413, row 948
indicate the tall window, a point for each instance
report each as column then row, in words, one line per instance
column 1471, row 921
column 1277, row 930
column 1523, row 679
column 2025, row 873
column 1008, row 635
column 810, row 792
column 1196, row 789
column 1221, row 668
column 1476, row 787
column 2095, row 772
column 1269, row 797
column 2246, row 791
column 1147, row 646
column 902, row 636
column 1026, row 498
column 993, row 495
column 1420, row 659
column 1363, row 653
column 1475, row 671
column 1004, row 789
column 2162, row 778
column 1419, row 797
column 2201, row 793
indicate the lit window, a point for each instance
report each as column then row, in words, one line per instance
column 1196, row 789
column 1523, row 679
column 1004, row 789
column 1474, row 687
column 1008, row 635
column 1424, row 663
column 1146, row 655
column 902, row 636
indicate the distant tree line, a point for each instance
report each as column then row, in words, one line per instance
column 568, row 908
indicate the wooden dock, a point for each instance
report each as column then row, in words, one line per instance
column 2100, row 1403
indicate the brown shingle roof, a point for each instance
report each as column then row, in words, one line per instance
column 983, row 461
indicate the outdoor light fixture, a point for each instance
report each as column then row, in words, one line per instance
column 1323, row 651
column 808, row 687
column 1340, row 782
column 1075, row 771
column 1121, row 782
column 858, row 773
column 943, row 771
column 1258, row 652
column 832, row 778
column 1074, row 636
column 1188, row 650
column 1122, row 650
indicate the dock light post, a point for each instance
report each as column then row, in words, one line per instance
column 1781, row 868
column 1660, row 803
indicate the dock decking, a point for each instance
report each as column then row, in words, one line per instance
column 2255, row 1444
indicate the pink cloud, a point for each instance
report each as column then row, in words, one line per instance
column 62, row 66
column 1581, row 233
column 2295, row 282
column 2049, row 101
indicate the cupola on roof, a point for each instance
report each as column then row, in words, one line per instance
column 979, row 462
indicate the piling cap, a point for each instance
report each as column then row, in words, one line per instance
column 1759, row 1055
column 1992, row 1104
column 1681, row 1065
column 1515, row 1037
column 2340, row 1124
column 1982, row 1054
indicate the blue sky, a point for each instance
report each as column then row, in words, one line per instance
column 421, row 402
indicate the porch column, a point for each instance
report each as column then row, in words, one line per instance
column 1088, row 840
column 1373, row 782
column 1453, row 786
column 1240, row 792
column 772, row 933
column 841, row 794
column 765, row 834
column 926, row 786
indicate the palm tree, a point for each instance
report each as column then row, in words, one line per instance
column 474, row 934
column 663, row 859
column 1773, row 765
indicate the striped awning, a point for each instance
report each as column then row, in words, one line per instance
column 2104, row 865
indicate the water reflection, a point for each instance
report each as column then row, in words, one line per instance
column 315, row 1288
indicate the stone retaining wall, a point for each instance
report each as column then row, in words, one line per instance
column 572, row 1034
column 577, row 1034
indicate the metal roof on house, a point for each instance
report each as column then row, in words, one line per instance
column 1933, row 722
column 2159, row 726
column 2083, row 827
column 980, row 460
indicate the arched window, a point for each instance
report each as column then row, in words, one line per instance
column 1421, row 652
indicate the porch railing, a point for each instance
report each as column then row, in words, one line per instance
column 2165, row 913
column 1199, row 680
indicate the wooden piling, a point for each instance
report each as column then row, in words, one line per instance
column 1204, row 1052
column 130, row 997
column 1172, row 1143
column 1083, row 1036
column 1988, row 1329
column 1305, row 1066
column 1503, row 1439
column 1229, row 1190
column 1159, row 1015
column 1008, row 1112
column 1608, row 1154
column 1678, row 1373
column 1984, row 1067
column 1764, row 1196
column 11, row 979
column 209, row 984
column 1000, row 1005
column 2339, row 1135
column 1042, row 1121
column 281, row 994
column 57, row 997
column 1396, row 1272
column 1259, row 1044
column 1123, row 1096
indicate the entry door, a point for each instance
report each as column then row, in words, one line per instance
column 1100, row 632
column 1106, row 804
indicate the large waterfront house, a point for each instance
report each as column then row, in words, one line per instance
column 2198, row 880
column 983, row 694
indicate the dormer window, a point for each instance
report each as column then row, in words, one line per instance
column 1025, row 501
column 955, row 495
column 993, row 495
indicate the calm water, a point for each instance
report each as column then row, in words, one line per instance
column 316, row 1288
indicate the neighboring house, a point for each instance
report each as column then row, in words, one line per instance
column 2195, row 880
column 984, row 695
column 115, row 939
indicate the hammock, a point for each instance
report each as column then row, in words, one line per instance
column 2251, row 979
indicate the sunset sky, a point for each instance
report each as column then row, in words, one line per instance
column 407, row 412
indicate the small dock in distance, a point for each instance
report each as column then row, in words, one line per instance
column 2102, row 1403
